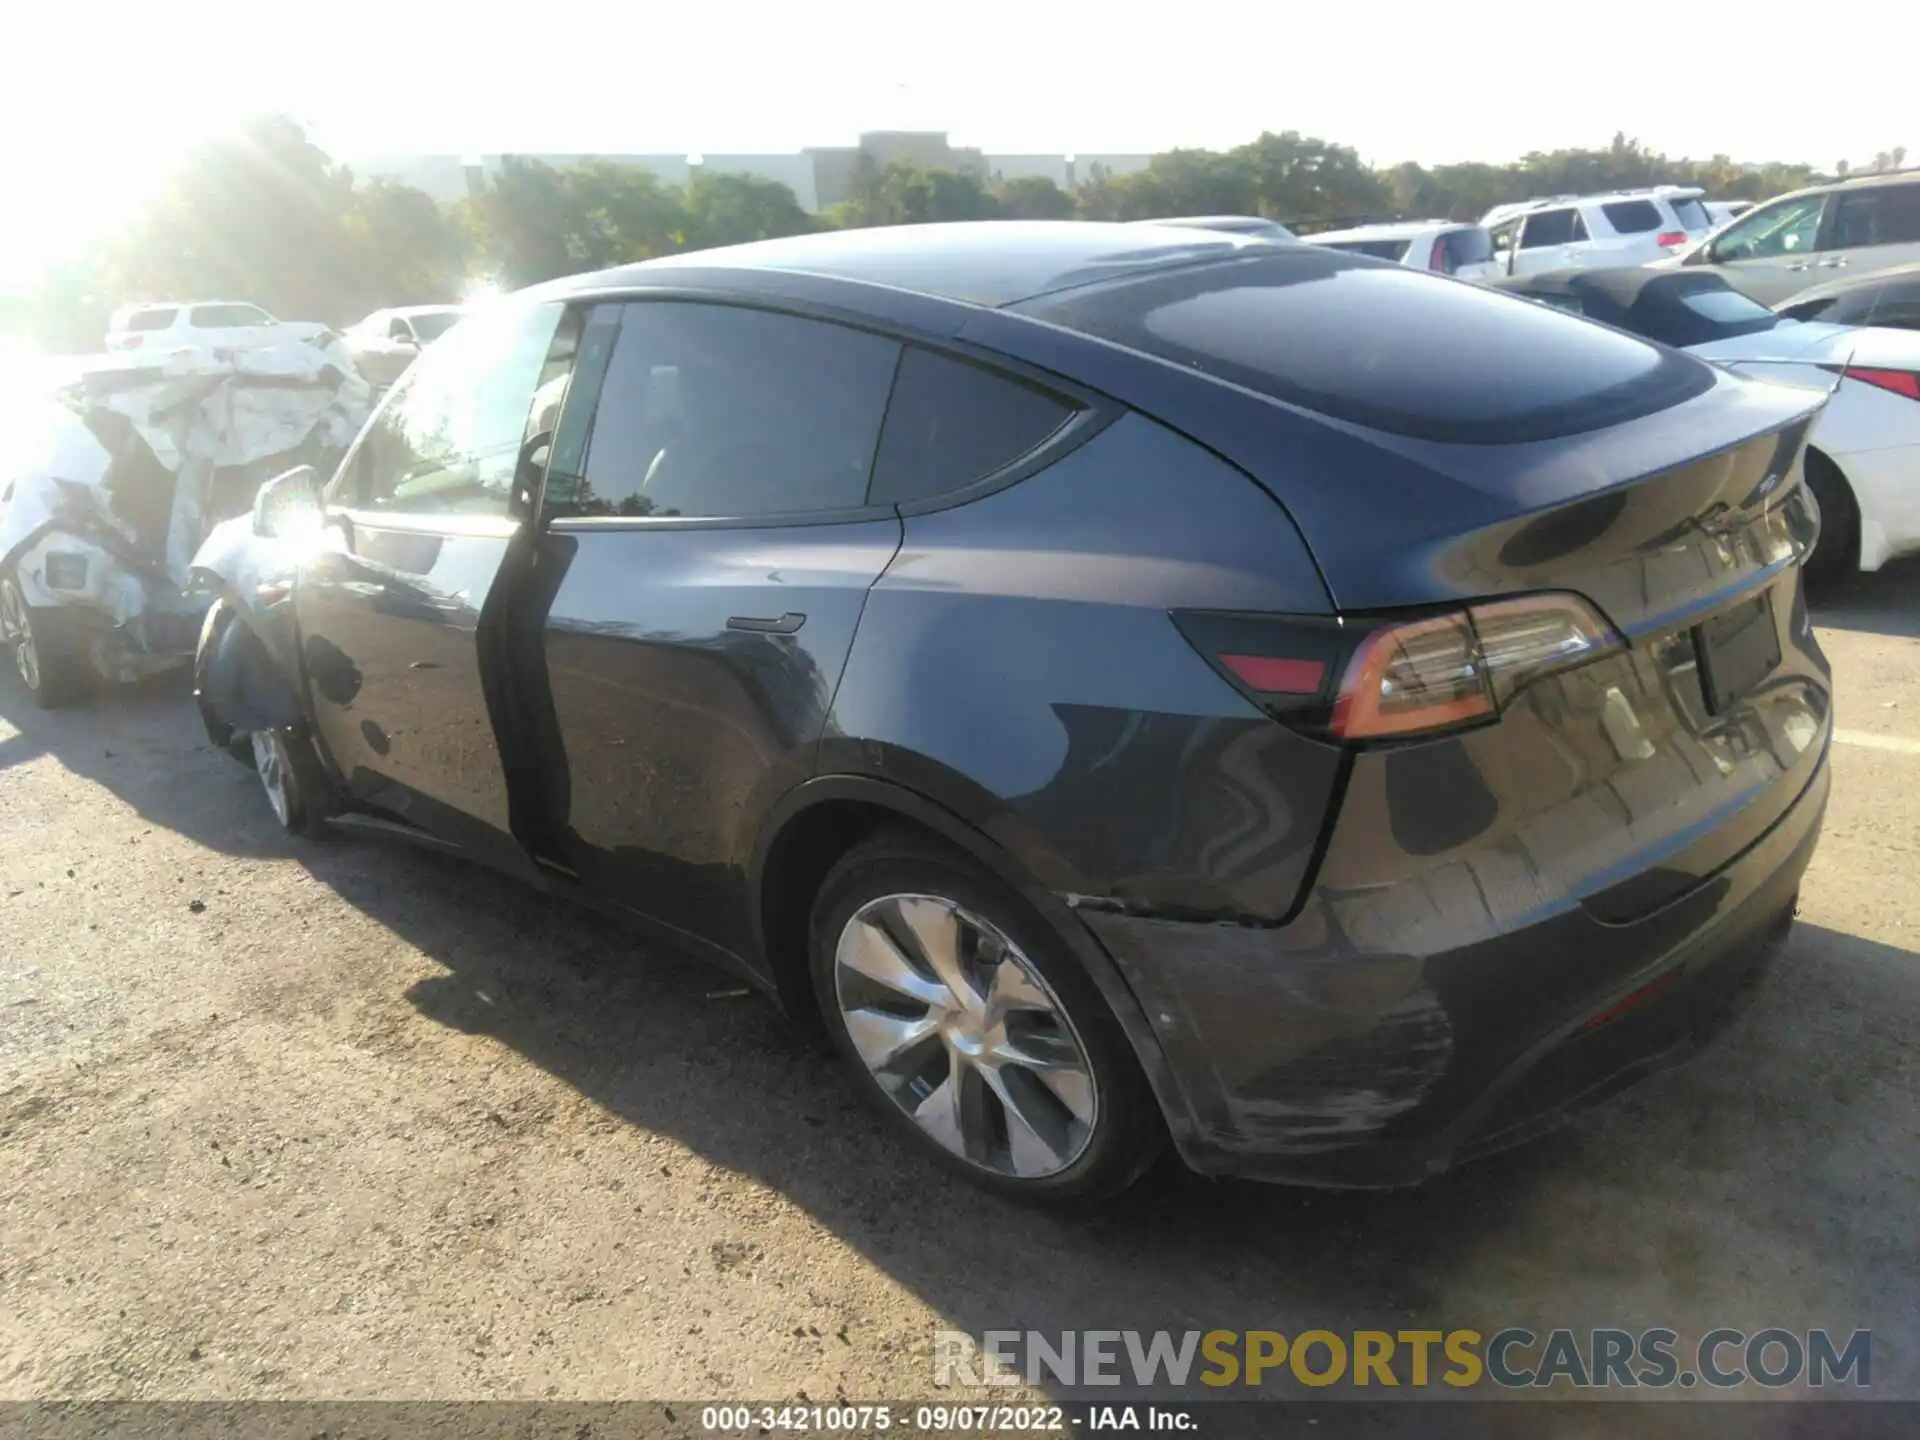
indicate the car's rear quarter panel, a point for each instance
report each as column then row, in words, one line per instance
column 1017, row 665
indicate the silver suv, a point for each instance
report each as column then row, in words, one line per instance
column 1828, row 232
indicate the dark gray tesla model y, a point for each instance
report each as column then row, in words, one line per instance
column 1137, row 686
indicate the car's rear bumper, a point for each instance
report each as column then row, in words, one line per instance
column 1298, row 1054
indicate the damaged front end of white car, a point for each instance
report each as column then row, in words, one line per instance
column 122, row 476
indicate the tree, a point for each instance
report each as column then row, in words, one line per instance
column 1033, row 197
column 728, row 209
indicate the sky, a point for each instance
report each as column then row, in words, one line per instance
column 111, row 90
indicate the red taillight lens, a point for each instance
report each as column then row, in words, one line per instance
column 1671, row 239
column 1900, row 382
column 1419, row 676
column 130, row 342
column 1274, row 675
column 1437, row 258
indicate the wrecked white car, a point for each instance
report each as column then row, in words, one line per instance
column 117, row 481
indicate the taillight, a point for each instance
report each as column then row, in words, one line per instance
column 1900, row 382
column 1671, row 239
column 1361, row 679
column 1437, row 258
column 130, row 342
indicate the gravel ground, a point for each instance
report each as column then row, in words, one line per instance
column 339, row 1119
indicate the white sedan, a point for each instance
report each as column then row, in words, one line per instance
column 1863, row 460
column 385, row 343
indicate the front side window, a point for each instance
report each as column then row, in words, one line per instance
column 1788, row 228
column 714, row 411
column 1883, row 215
column 449, row 439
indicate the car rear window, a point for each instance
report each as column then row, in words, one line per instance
column 1692, row 215
column 151, row 319
column 1469, row 247
column 1394, row 250
column 224, row 317
column 1632, row 217
column 950, row 423
column 1385, row 347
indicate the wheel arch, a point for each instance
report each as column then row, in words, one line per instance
column 817, row 822
column 1821, row 462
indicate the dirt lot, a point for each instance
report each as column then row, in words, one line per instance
column 339, row 1119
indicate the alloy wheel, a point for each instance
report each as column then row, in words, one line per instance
column 962, row 1032
column 16, row 628
column 270, row 763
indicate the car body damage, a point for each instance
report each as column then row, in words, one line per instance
column 128, row 468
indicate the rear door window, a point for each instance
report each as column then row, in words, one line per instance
column 725, row 412
column 151, row 319
column 1385, row 346
column 1551, row 227
column 1883, row 215
column 1632, row 217
column 951, row 423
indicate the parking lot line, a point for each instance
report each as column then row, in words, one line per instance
column 1867, row 740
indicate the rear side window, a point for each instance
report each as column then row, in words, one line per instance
column 1632, row 217
column 1385, row 347
column 151, row 319
column 951, row 423
column 724, row 412
column 1394, row 250
column 1692, row 215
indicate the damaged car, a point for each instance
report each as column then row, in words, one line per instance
column 1130, row 688
column 115, row 482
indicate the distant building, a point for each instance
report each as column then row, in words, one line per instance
column 819, row 176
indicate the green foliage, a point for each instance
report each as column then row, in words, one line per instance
column 264, row 215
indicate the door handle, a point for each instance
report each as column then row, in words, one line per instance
column 1834, row 263
column 763, row 625
column 1801, row 265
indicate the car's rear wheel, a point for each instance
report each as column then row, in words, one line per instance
column 53, row 675
column 973, row 1028
column 1836, row 554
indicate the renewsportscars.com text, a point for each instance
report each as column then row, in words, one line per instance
column 1511, row 1358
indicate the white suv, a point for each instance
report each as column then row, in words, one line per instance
column 1575, row 232
column 202, row 325
column 1446, row 247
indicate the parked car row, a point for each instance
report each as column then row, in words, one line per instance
column 381, row 346
column 1131, row 686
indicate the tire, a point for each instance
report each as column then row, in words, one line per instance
column 1013, row 992
column 219, row 733
column 290, row 775
column 1836, row 554
column 53, row 674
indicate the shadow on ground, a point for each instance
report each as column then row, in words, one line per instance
column 1773, row 1178
column 1886, row 602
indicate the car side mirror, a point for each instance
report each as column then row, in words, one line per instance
column 288, row 504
